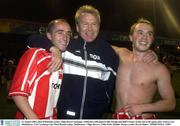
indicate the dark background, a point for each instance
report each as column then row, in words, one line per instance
column 117, row 15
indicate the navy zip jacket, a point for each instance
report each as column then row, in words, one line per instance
column 89, row 78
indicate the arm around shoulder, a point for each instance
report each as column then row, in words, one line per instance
column 123, row 53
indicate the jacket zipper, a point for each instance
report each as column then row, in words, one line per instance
column 108, row 97
column 85, row 83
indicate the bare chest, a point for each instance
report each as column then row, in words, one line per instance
column 140, row 74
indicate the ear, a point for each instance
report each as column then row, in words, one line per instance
column 130, row 38
column 49, row 36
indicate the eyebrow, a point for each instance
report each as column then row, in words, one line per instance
column 148, row 31
column 62, row 30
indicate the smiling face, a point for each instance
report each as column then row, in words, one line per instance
column 88, row 26
column 60, row 34
column 142, row 37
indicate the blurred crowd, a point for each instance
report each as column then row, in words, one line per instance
column 7, row 69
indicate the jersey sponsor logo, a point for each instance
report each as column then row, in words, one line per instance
column 95, row 57
column 56, row 85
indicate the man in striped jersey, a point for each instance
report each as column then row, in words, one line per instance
column 34, row 89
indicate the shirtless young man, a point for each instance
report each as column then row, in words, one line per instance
column 137, row 81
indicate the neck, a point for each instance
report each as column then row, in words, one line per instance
column 138, row 56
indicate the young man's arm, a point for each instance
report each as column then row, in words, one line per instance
column 56, row 60
column 23, row 105
column 41, row 41
column 148, row 58
column 168, row 101
column 123, row 53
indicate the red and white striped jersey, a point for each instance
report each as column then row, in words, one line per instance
column 32, row 80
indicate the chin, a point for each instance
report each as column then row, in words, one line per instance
column 62, row 50
column 89, row 40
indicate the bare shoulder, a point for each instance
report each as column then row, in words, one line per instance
column 160, row 68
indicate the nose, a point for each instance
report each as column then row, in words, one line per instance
column 66, row 35
column 144, row 36
column 89, row 27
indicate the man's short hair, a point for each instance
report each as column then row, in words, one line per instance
column 141, row 20
column 53, row 22
column 87, row 9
